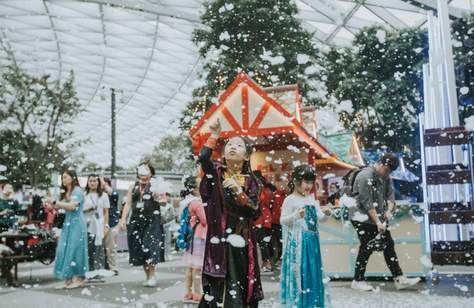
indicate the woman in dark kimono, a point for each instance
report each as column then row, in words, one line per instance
column 231, row 276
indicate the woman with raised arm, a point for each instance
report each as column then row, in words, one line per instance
column 231, row 276
column 71, row 262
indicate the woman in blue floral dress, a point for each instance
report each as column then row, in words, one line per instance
column 71, row 263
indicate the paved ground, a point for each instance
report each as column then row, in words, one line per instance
column 125, row 290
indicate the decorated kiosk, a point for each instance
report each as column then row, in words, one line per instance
column 285, row 134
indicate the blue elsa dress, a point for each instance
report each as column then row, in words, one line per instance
column 302, row 271
column 71, row 254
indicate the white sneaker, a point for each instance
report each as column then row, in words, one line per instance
column 361, row 286
column 403, row 282
column 145, row 283
column 151, row 283
column 265, row 271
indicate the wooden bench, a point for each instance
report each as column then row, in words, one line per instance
column 8, row 261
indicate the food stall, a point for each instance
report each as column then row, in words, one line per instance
column 284, row 134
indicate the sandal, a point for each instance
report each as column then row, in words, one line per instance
column 266, row 271
column 188, row 298
column 76, row 284
column 64, row 286
column 197, row 298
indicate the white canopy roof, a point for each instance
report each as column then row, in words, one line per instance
column 143, row 49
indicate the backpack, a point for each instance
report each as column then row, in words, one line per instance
column 348, row 180
column 186, row 233
column 348, row 190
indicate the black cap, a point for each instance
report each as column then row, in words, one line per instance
column 390, row 160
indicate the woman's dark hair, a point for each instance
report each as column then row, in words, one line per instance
column 390, row 160
column 108, row 181
column 75, row 182
column 99, row 188
column 301, row 173
column 190, row 184
column 258, row 174
column 148, row 164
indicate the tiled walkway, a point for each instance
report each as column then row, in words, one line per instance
column 125, row 290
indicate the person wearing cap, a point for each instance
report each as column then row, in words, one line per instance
column 375, row 205
column 144, row 232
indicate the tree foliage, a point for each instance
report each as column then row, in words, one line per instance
column 463, row 35
column 172, row 154
column 381, row 78
column 262, row 38
column 34, row 112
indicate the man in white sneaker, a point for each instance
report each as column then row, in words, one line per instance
column 374, row 192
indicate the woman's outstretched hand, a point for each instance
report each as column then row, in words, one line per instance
column 215, row 128
column 232, row 184
column 326, row 210
column 122, row 225
column 302, row 212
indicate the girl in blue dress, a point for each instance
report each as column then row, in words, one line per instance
column 71, row 262
column 302, row 271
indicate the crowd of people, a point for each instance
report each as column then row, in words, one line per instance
column 240, row 205
column 87, row 245
column 234, row 227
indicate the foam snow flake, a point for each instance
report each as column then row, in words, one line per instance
column 302, row 58
column 236, row 240
column 469, row 123
column 464, row 90
column 381, row 35
column 348, row 201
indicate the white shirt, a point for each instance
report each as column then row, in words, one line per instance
column 291, row 206
column 95, row 224
column 92, row 200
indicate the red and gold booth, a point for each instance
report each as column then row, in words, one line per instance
column 282, row 132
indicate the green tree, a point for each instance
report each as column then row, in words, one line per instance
column 375, row 86
column 260, row 37
column 463, row 36
column 172, row 154
column 34, row 112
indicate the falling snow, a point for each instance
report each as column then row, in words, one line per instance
column 236, row 240
column 464, row 90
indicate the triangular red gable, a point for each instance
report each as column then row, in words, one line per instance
column 246, row 109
